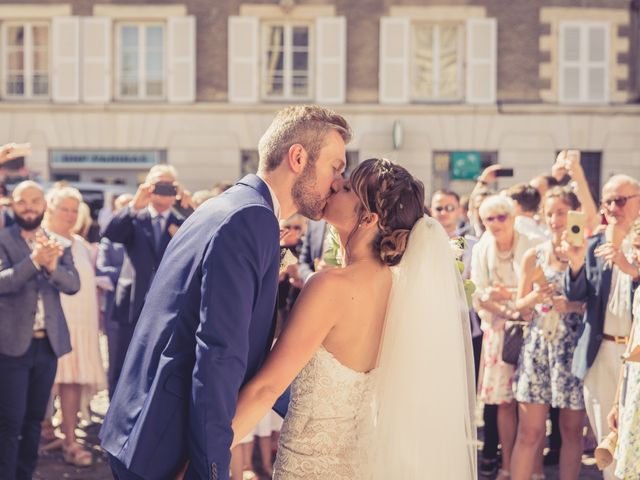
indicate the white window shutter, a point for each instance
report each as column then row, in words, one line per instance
column 570, row 84
column 96, row 59
column 597, row 74
column 243, row 75
column 481, row 71
column 181, row 56
column 331, row 55
column 394, row 60
column 66, row 59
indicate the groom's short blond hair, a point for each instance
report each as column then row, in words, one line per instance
column 307, row 125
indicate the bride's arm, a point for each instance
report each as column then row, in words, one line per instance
column 316, row 311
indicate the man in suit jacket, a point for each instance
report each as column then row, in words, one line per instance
column 34, row 269
column 208, row 320
column 602, row 275
column 144, row 227
column 109, row 263
column 312, row 248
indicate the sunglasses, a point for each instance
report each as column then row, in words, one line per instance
column 500, row 218
column 446, row 208
column 618, row 201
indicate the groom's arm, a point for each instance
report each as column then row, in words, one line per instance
column 232, row 273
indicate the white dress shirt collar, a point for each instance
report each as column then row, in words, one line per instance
column 274, row 199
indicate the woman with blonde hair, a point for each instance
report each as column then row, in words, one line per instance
column 81, row 370
column 495, row 271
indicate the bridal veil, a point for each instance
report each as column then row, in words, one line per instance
column 425, row 393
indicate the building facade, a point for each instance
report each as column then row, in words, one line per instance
column 104, row 89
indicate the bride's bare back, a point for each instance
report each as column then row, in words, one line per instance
column 362, row 303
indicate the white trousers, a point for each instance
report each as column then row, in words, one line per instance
column 600, row 386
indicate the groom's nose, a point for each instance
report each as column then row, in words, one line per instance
column 337, row 185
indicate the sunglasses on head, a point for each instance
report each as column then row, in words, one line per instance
column 446, row 208
column 492, row 218
column 618, row 201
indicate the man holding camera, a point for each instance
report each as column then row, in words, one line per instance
column 603, row 274
column 145, row 228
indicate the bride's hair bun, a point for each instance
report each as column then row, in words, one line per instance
column 392, row 193
column 393, row 245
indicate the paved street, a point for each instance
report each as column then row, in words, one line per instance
column 51, row 466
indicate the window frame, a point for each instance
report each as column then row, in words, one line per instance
column 142, row 95
column 28, row 54
column 583, row 64
column 288, row 25
column 461, row 28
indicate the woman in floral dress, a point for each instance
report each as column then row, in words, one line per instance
column 543, row 377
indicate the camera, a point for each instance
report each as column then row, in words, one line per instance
column 166, row 189
column 575, row 228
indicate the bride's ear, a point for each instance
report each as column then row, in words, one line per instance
column 370, row 219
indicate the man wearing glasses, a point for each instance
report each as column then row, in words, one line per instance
column 604, row 274
column 445, row 208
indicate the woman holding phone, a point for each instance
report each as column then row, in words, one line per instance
column 543, row 376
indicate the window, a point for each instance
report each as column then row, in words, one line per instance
column 286, row 60
column 27, row 61
column 457, row 170
column 584, row 57
column 141, row 61
column 436, row 62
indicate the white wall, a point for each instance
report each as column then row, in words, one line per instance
column 204, row 142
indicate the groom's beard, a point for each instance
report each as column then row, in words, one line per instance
column 310, row 204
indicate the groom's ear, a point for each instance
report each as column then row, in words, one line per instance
column 296, row 158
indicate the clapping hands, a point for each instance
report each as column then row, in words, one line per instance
column 46, row 252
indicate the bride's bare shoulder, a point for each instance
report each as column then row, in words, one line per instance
column 331, row 280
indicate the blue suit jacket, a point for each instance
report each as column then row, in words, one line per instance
column 204, row 330
column 109, row 263
column 592, row 284
column 312, row 244
column 135, row 232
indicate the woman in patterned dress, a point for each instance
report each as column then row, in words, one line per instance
column 543, row 377
column 624, row 417
column 494, row 270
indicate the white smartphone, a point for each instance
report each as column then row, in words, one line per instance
column 575, row 227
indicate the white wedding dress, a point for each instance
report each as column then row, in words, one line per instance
column 410, row 418
column 327, row 430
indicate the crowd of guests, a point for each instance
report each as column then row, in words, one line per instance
column 573, row 306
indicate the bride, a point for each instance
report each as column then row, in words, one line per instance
column 378, row 351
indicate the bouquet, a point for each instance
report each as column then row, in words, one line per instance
column 458, row 245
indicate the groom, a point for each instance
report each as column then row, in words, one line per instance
column 206, row 325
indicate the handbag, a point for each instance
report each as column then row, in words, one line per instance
column 514, row 331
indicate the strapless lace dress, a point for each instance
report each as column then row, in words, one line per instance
column 329, row 422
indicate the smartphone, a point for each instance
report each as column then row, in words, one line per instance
column 166, row 189
column 614, row 234
column 20, row 150
column 573, row 153
column 504, row 172
column 576, row 222
column 16, row 163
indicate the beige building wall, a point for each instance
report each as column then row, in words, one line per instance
column 205, row 141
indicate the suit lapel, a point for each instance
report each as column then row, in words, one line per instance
column 22, row 247
column 166, row 237
column 144, row 218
